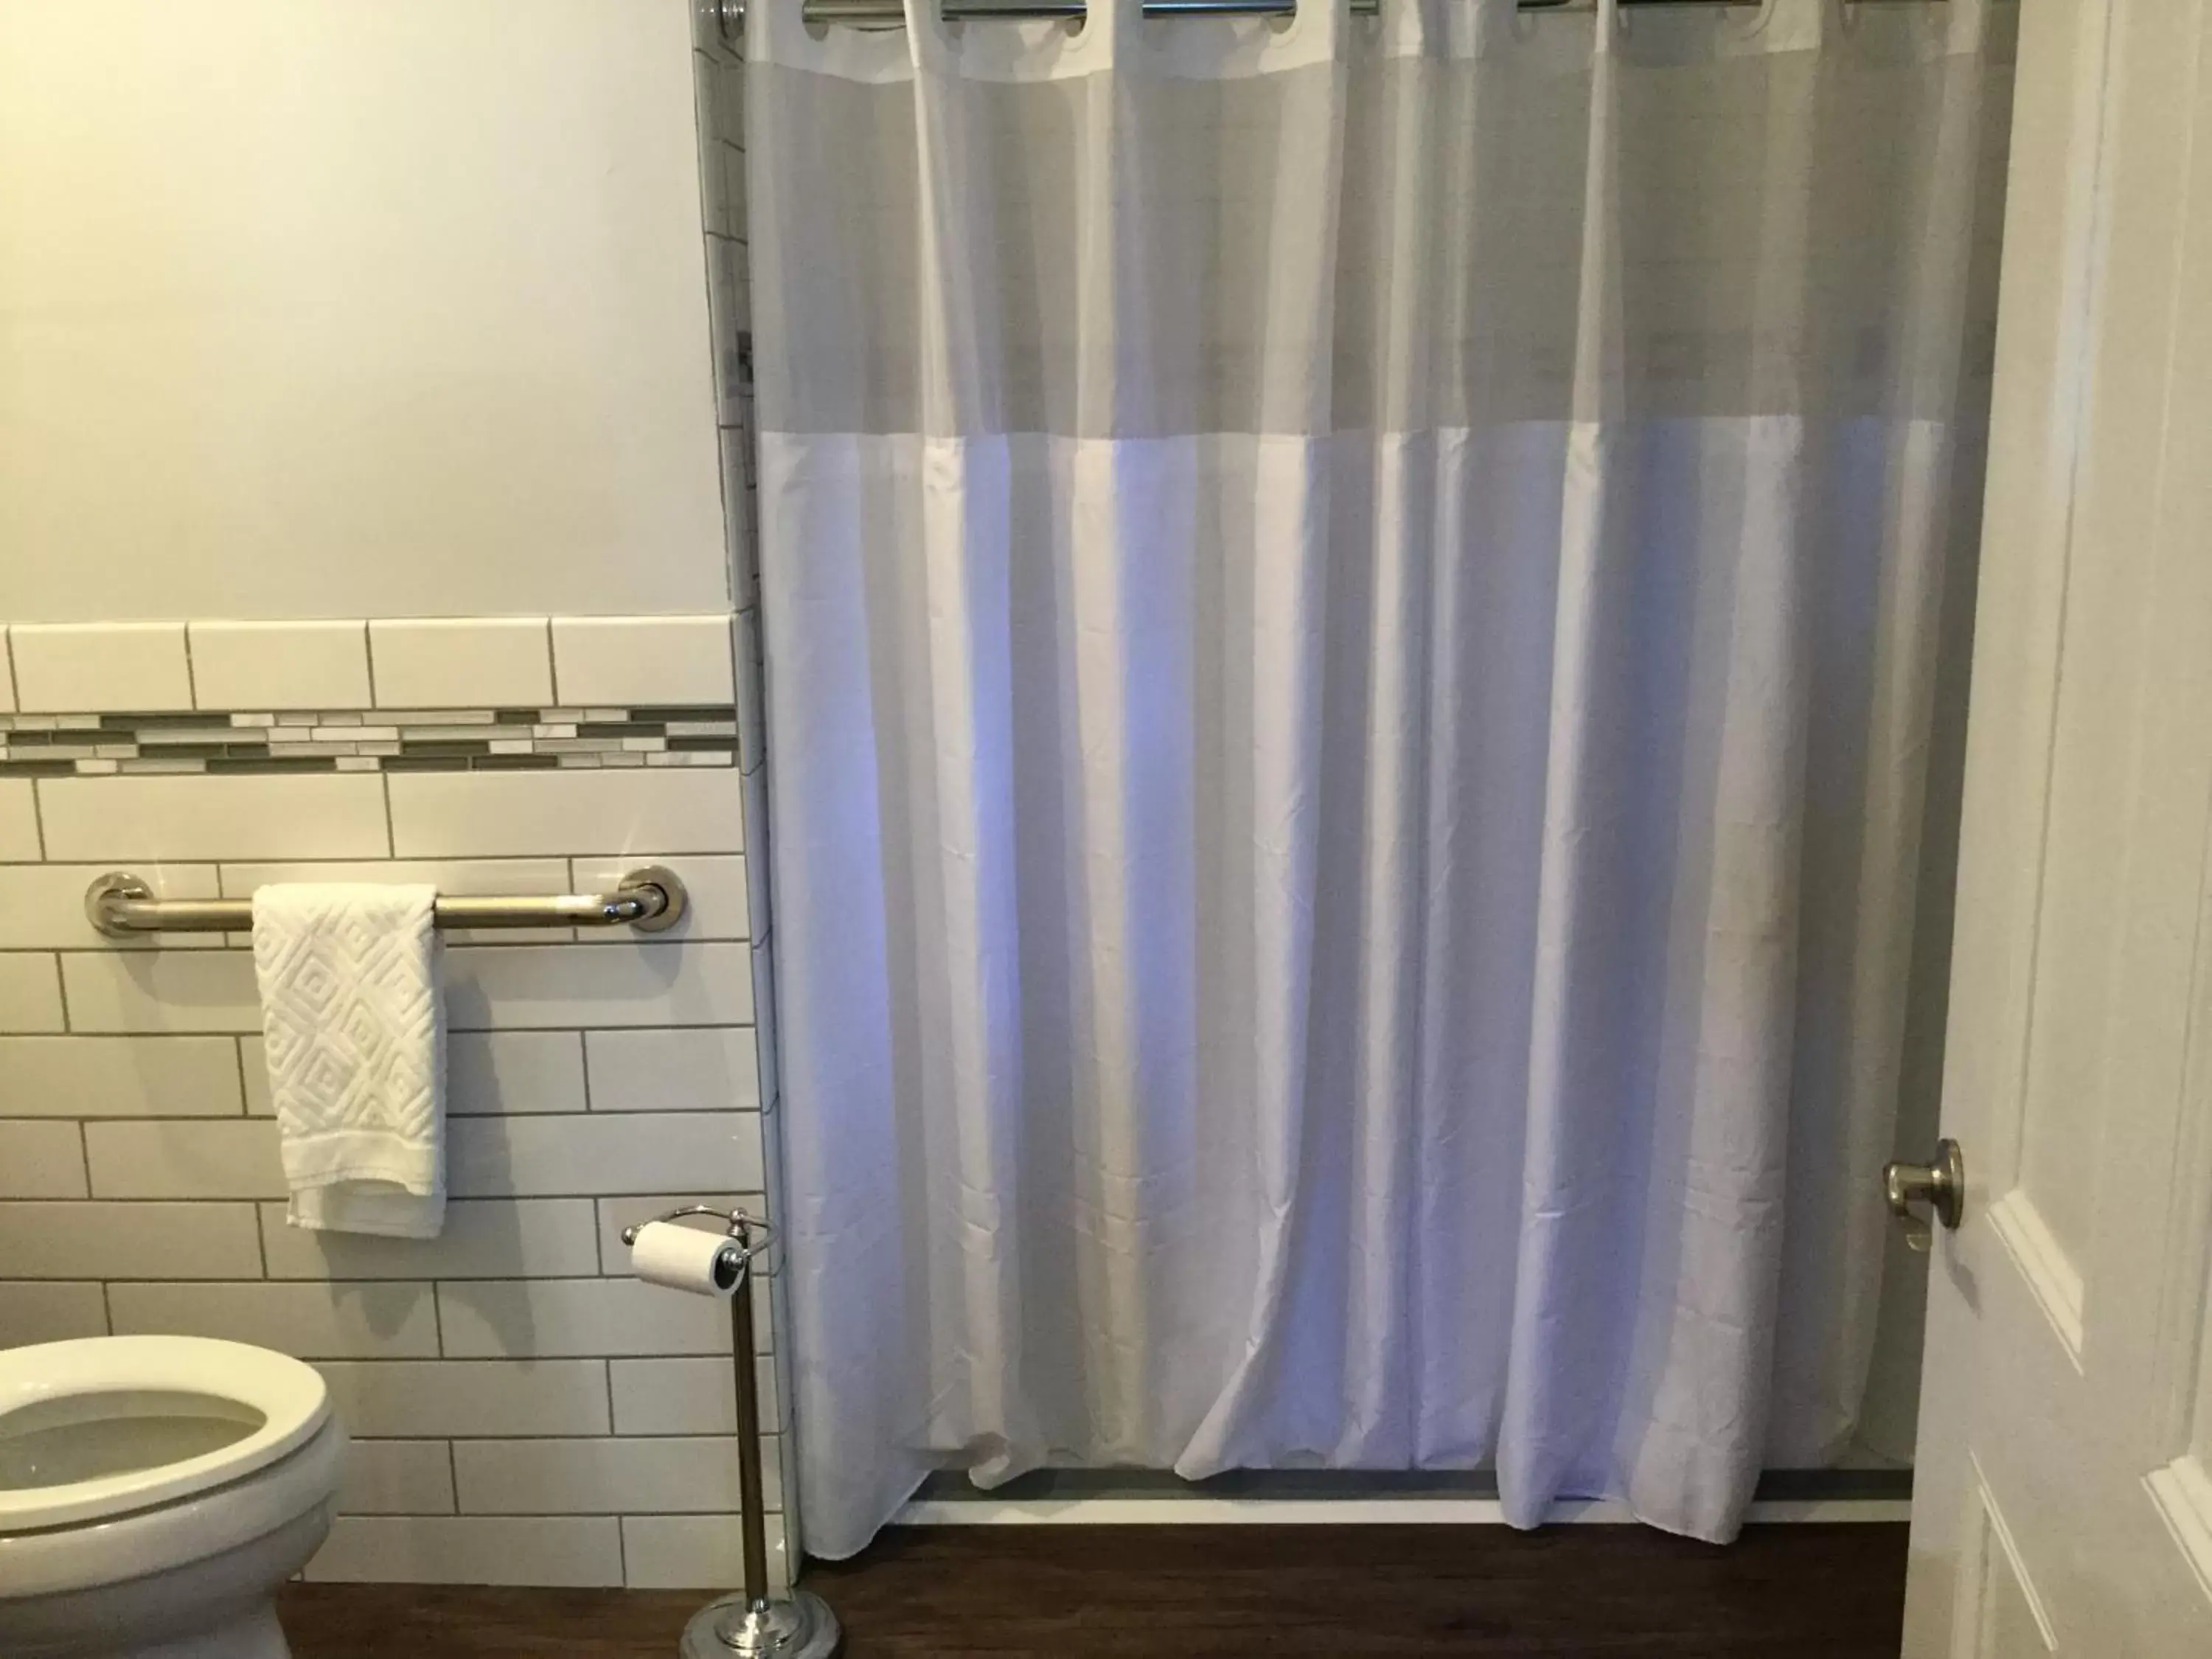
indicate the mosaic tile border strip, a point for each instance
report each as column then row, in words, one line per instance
column 371, row 740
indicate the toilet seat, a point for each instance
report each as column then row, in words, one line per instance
column 291, row 1397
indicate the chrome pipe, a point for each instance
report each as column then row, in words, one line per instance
column 651, row 900
column 752, row 1528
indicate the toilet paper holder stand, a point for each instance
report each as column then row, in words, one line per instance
column 742, row 1246
column 752, row 1624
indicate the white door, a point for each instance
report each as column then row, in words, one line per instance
column 2063, row 1498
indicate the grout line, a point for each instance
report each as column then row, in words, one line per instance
column 621, row 1524
column 627, row 1439
column 230, row 1120
column 61, row 995
column 143, row 944
column 552, row 670
column 465, row 1030
column 546, row 1515
column 191, row 679
column 603, row 1360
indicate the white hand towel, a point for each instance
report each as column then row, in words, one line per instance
column 349, row 1005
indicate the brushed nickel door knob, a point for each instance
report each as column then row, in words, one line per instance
column 1940, row 1186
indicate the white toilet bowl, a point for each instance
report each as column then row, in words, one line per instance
column 154, row 1491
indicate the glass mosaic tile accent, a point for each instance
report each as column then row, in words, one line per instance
column 366, row 740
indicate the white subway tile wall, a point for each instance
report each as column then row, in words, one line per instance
column 398, row 1477
column 565, row 1318
column 594, row 1079
column 471, row 1399
column 684, row 1396
column 672, row 1071
column 523, row 1071
column 145, row 819
column 460, row 815
column 118, row 1077
column 34, row 1312
column 42, row 906
column 455, row 663
column 19, row 819
column 30, row 995
column 129, row 1241
column 280, row 665
column 89, row 667
column 688, row 1551
column 521, row 1413
column 660, row 659
column 184, row 1158
column 483, row 1238
column 311, row 1322
column 465, row 1549
column 679, row 1475
column 597, row 1155
column 493, row 987
column 44, row 1157
column 156, row 991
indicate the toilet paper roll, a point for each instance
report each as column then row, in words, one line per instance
column 686, row 1258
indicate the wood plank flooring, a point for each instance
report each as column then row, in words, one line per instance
column 1584, row 1592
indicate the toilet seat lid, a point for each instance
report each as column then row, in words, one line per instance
column 289, row 1397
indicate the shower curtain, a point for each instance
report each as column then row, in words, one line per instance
column 1352, row 612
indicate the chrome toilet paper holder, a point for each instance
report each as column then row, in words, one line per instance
column 752, row 1624
column 742, row 1247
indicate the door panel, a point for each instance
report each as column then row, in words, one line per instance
column 2061, row 1504
column 2000, row 1615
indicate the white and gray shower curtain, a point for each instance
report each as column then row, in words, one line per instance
column 1353, row 614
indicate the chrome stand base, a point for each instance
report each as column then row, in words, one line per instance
column 800, row 1628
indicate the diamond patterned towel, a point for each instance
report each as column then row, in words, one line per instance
column 348, row 979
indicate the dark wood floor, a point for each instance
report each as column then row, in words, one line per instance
column 1585, row 1592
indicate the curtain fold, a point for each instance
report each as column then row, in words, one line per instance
column 1351, row 613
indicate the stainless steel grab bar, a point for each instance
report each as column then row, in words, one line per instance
column 651, row 899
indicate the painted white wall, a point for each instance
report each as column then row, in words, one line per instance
column 389, row 309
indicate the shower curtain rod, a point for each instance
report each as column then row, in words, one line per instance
column 891, row 13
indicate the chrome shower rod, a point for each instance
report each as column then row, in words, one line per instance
column 891, row 13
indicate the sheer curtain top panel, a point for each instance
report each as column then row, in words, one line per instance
column 1453, row 214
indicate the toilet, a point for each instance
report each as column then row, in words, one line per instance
column 154, row 1491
